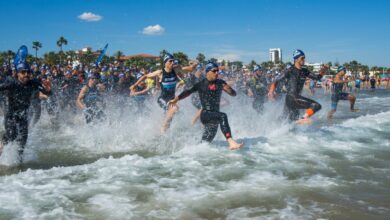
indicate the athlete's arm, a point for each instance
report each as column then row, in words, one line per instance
column 337, row 79
column 144, row 91
column 229, row 90
column 80, row 98
column 149, row 75
column 189, row 68
column 44, row 87
column 7, row 85
column 283, row 75
column 319, row 76
column 184, row 94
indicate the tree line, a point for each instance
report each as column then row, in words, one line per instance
column 61, row 57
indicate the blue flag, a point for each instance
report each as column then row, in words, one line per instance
column 21, row 55
column 101, row 55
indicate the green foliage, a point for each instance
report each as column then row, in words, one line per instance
column 51, row 58
column 36, row 45
column 212, row 60
column 118, row 55
column 88, row 57
column 201, row 58
column 238, row 64
column 251, row 65
column 268, row 65
column 182, row 57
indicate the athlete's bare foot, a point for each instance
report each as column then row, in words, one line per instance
column 303, row 121
column 355, row 110
column 233, row 145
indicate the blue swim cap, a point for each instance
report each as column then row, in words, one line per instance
column 198, row 67
column 176, row 62
column 210, row 66
column 298, row 53
column 22, row 66
column 257, row 67
column 167, row 57
column 341, row 68
column 139, row 75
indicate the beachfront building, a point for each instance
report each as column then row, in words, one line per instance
column 275, row 55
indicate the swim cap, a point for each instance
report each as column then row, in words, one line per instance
column 341, row 68
column 167, row 57
column 139, row 75
column 176, row 62
column 22, row 66
column 257, row 67
column 210, row 65
column 298, row 53
column 198, row 67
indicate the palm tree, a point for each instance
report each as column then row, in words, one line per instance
column 10, row 56
column 36, row 45
column 60, row 42
column 118, row 55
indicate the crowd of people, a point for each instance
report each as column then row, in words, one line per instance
column 27, row 90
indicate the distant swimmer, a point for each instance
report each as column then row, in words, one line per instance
column 20, row 92
column 338, row 94
column 210, row 91
column 258, row 88
column 296, row 77
column 168, row 79
column 90, row 98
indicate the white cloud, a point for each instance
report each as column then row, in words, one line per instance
column 153, row 30
column 232, row 54
column 89, row 16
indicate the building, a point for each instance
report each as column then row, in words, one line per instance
column 275, row 55
column 146, row 57
column 316, row 66
column 86, row 50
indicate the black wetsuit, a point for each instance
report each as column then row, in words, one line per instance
column 91, row 100
column 372, row 82
column 338, row 94
column 190, row 82
column 35, row 108
column 294, row 101
column 168, row 88
column 210, row 97
column 259, row 87
column 16, row 117
column 69, row 93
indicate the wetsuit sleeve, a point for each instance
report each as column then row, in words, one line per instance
column 6, row 85
column 188, row 92
column 314, row 76
column 41, row 88
column 281, row 76
column 229, row 90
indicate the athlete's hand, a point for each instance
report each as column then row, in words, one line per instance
column 46, row 85
column 173, row 102
column 132, row 88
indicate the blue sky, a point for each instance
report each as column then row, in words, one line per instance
column 235, row 30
